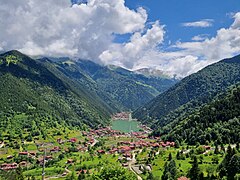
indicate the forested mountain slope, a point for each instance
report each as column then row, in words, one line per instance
column 190, row 92
column 33, row 90
column 119, row 88
column 218, row 120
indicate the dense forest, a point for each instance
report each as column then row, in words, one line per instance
column 32, row 92
column 215, row 121
column 190, row 93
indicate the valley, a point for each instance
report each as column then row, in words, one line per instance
column 66, row 119
column 75, row 153
column 72, row 154
column 119, row 90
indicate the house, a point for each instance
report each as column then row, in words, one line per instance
column 155, row 145
column 183, row 178
column 114, row 150
column 207, row 147
column 82, row 171
column 9, row 166
column 69, row 161
column 55, row 149
column 23, row 163
column 23, row 153
column 32, row 153
column 123, row 149
column 9, row 157
column 48, row 157
column 100, row 151
column 60, row 141
column 64, row 174
column 73, row 140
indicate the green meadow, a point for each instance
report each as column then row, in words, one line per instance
column 125, row 126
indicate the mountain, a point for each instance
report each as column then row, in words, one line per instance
column 218, row 120
column 190, row 93
column 34, row 90
column 119, row 87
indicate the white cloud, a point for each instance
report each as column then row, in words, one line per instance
column 57, row 28
column 202, row 23
column 187, row 57
column 87, row 30
column 200, row 37
column 129, row 53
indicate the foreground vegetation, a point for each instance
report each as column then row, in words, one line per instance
column 95, row 161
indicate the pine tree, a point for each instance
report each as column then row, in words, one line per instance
column 170, row 170
column 170, row 157
column 194, row 172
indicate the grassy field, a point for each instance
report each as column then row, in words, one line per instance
column 125, row 126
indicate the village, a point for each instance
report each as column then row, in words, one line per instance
column 131, row 150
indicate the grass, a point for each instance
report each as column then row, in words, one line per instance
column 125, row 126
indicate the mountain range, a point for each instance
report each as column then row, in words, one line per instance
column 81, row 93
column 64, row 91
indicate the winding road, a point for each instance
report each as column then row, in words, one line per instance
column 133, row 161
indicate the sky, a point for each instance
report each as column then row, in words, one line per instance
column 177, row 37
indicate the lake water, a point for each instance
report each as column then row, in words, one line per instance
column 125, row 126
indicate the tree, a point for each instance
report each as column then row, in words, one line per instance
column 113, row 172
column 177, row 144
column 178, row 155
column 170, row 157
column 19, row 174
column 194, row 172
column 234, row 165
column 71, row 176
column 170, row 170
column 150, row 176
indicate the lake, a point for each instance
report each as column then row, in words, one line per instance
column 124, row 126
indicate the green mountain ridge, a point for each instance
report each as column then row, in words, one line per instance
column 190, row 93
column 120, row 88
column 218, row 120
column 40, row 92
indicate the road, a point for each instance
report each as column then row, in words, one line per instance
column 132, row 162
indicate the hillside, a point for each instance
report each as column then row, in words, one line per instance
column 121, row 89
column 217, row 121
column 190, row 92
column 33, row 90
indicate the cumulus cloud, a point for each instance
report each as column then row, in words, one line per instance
column 140, row 44
column 202, row 23
column 87, row 28
column 185, row 59
column 57, row 28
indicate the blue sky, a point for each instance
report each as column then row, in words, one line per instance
column 174, row 12
column 178, row 37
